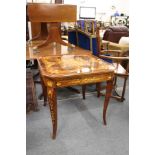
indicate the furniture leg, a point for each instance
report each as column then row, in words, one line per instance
column 35, row 103
column 115, row 93
column 35, row 81
column 39, row 82
column 31, row 99
column 98, row 87
column 83, row 91
column 52, row 100
column 115, row 81
column 45, row 94
column 123, row 92
column 53, row 35
column 40, row 96
column 73, row 89
column 44, row 88
column 106, row 100
column 36, row 75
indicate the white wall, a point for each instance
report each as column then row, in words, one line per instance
column 103, row 7
column 41, row 1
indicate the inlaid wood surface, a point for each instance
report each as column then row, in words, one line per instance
column 65, row 67
column 69, row 70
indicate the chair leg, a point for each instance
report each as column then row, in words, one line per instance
column 45, row 95
column 98, row 87
column 115, row 81
column 123, row 92
column 83, row 91
column 115, row 93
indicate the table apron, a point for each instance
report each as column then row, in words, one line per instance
column 77, row 81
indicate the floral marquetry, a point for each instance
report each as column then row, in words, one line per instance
column 66, row 66
column 70, row 70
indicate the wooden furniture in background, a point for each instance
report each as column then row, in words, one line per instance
column 31, row 101
column 83, row 39
column 114, row 33
column 87, row 26
column 82, row 69
column 59, row 1
column 51, row 50
column 120, row 71
column 115, row 57
column 39, row 30
column 52, row 14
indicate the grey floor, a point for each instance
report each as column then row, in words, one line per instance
column 80, row 128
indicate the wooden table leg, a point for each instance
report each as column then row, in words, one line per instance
column 83, row 91
column 98, row 87
column 54, row 35
column 73, row 89
column 44, row 88
column 45, row 94
column 106, row 100
column 52, row 100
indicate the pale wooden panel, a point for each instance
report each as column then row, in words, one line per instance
column 41, row 12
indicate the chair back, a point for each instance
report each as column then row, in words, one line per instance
column 114, row 33
column 111, row 56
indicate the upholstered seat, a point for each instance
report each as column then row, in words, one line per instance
column 117, row 38
column 114, row 33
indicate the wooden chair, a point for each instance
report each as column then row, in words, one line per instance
column 120, row 71
column 116, row 58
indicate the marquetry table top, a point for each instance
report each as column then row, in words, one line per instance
column 51, row 49
column 73, row 65
column 71, row 70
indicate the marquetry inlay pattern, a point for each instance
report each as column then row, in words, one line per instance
column 88, row 80
column 70, row 66
column 70, row 70
column 51, row 98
